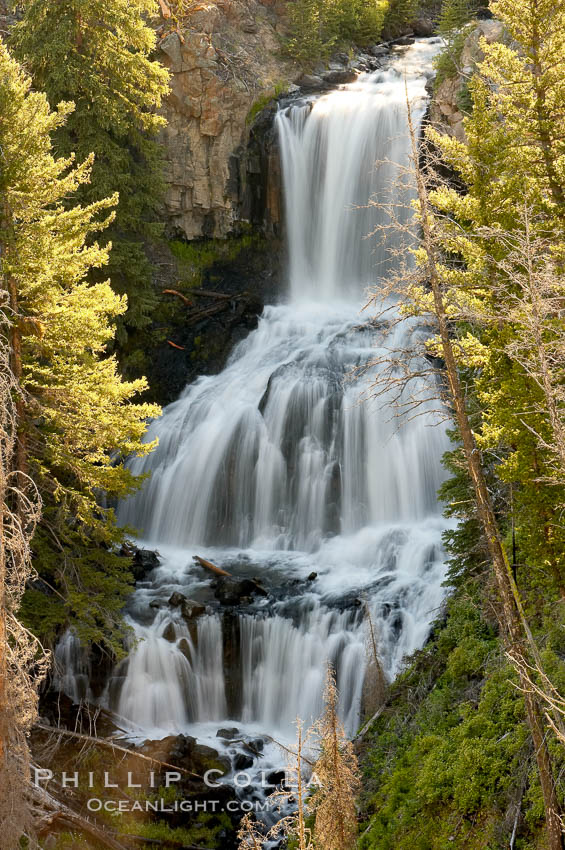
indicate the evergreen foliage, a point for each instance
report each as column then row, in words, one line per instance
column 97, row 54
column 513, row 169
column 77, row 417
column 454, row 15
column 399, row 15
column 492, row 273
column 317, row 27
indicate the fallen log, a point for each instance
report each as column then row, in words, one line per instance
column 195, row 317
column 174, row 345
column 205, row 293
column 52, row 811
column 363, row 731
column 208, row 565
column 104, row 742
column 182, row 297
column 209, row 293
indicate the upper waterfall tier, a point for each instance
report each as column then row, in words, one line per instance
column 338, row 152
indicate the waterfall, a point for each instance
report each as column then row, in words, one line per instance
column 275, row 469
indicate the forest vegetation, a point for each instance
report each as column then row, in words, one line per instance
column 466, row 749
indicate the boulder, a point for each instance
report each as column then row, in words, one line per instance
column 228, row 734
column 143, row 561
column 338, row 78
column 176, row 599
column 190, row 609
column 255, row 746
column 310, row 82
column 423, row 27
column 184, row 647
column 232, row 591
column 242, row 761
column 170, row 633
column 185, row 752
column 276, row 777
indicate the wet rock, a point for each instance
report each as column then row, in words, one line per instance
column 338, row 78
column 255, row 746
column 169, row 633
column 311, row 82
column 176, row 599
column 184, row 647
column 143, row 561
column 312, row 577
column 189, row 609
column 231, row 591
column 228, row 734
column 208, row 758
column 242, row 761
column 276, row 777
column 378, row 50
column 404, row 41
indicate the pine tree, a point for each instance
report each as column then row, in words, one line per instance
column 514, row 625
column 512, row 166
column 370, row 22
column 399, row 15
column 76, row 416
column 454, row 15
column 307, row 41
column 319, row 26
column 96, row 53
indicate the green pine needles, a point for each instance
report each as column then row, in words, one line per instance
column 76, row 416
column 97, row 54
column 317, row 27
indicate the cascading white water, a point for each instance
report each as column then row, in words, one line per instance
column 275, row 468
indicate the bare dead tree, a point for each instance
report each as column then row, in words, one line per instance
column 337, row 778
column 23, row 661
column 290, row 797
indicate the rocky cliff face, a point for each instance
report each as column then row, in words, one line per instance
column 226, row 58
column 448, row 102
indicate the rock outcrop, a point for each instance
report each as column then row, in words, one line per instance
column 447, row 106
column 226, row 60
